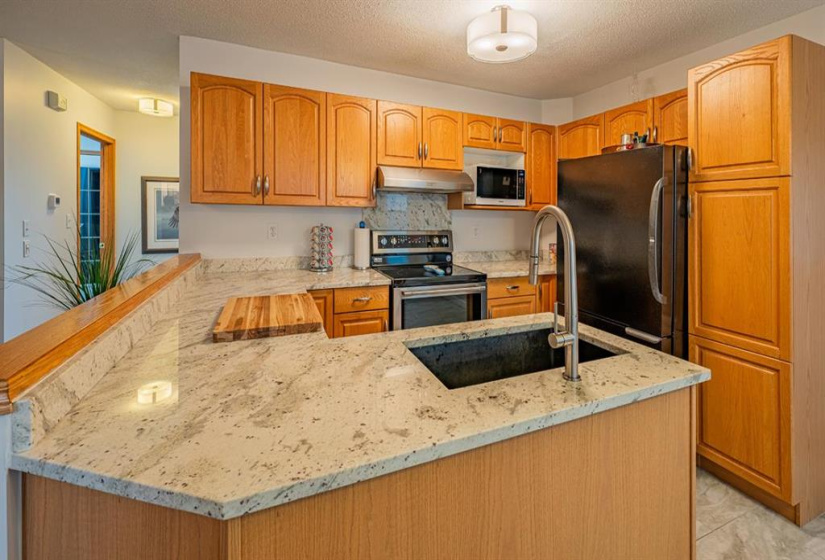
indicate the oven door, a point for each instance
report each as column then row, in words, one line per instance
column 427, row 306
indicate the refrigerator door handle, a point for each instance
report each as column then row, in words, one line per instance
column 641, row 335
column 653, row 241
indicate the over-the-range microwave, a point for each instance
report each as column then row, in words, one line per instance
column 496, row 186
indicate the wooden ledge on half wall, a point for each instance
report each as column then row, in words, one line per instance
column 29, row 357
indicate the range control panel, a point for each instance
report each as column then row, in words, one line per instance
column 412, row 242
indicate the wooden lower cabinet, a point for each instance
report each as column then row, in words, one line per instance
column 744, row 417
column 360, row 322
column 323, row 299
column 510, row 306
column 547, row 293
column 617, row 484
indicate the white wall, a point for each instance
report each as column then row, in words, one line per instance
column 40, row 158
column 236, row 231
column 147, row 146
column 557, row 111
column 673, row 75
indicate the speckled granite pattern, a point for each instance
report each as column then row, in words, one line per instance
column 508, row 269
column 255, row 424
column 42, row 406
column 412, row 211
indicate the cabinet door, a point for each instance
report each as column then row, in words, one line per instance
column 670, row 118
column 739, row 264
column 226, row 137
column 399, row 134
column 636, row 117
column 480, row 131
column 443, row 143
column 351, row 150
column 511, row 306
column 739, row 114
column 294, row 146
column 512, row 135
column 541, row 165
column 323, row 300
column 744, row 416
column 361, row 322
column 581, row 138
column 547, row 293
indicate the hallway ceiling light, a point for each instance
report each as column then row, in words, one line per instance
column 155, row 107
column 503, row 35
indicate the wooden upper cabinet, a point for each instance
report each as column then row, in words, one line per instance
column 744, row 422
column 226, row 140
column 480, row 131
column 443, row 139
column 512, row 135
column 739, row 264
column 399, row 134
column 739, row 114
column 670, row 118
column 541, row 165
column 581, row 138
column 351, row 150
column 294, row 146
column 636, row 117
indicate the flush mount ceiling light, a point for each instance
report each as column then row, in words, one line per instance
column 503, row 35
column 155, row 107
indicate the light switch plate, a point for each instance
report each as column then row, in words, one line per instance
column 25, row 228
column 27, row 248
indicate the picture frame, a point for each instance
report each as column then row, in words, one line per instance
column 159, row 209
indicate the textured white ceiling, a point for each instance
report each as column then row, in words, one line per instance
column 122, row 49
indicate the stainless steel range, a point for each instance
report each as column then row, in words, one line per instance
column 427, row 288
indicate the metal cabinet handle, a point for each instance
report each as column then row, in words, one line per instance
column 655, row 135
column 653, row 263
column 426, row 150
column 419, row 150
column 512, row 288
column 690, row 159
column 689, row 206
column 257, row 191
column 362, row 299
column 266, row 185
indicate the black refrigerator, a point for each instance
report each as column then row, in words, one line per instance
column 629, row 215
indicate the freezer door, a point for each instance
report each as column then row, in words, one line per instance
column 621, row 206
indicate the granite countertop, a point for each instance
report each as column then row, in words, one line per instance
column 507, row 269
column 254, row 424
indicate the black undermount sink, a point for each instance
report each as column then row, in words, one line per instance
column 462, row 363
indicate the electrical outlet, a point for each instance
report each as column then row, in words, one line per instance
column 475, row 232
column 25, row 228
column 272, row 232
column 27, row 248
column 68, row 221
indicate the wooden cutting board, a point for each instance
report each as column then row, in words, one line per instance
column 245, row 318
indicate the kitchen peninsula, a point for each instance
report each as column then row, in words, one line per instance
column 305, row 446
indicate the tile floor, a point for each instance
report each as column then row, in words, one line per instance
column 731, row 526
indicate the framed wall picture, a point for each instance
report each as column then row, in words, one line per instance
column 160, row 211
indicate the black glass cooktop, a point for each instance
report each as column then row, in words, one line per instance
column 425, row 275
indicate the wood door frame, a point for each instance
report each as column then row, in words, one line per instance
column 108, row 149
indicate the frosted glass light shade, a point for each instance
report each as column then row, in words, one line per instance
column 503, row 35
column 155, row 107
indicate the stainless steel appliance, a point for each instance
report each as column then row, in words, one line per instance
column 496, row 186
column 415, row 179
column 427, row 288
column 629, row 212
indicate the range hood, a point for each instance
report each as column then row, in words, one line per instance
column 412, row 179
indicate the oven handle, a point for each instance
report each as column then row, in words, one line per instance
column 427, row 292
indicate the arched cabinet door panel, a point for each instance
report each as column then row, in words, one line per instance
column 399, row 135
column 294, row 146
column 351, row 150
column 581, row 138
column 636, row 117
column 670, row 118
column 226, row 140
column 443, row 141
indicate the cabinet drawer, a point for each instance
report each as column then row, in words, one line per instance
column 361, row 299
column 361, row 322
column 509, row 287
column 511, row 306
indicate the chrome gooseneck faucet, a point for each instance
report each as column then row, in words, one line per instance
column 569, row 338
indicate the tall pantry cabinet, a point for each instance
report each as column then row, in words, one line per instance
column 756, row 129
